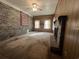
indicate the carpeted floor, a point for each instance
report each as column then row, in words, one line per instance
column 27, row 47
column 32, row 46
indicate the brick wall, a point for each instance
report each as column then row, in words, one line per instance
column 10, row 22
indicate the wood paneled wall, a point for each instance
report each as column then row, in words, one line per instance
column 42, row 18
column 71, row 42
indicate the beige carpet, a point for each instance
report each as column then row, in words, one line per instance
column 23, row 47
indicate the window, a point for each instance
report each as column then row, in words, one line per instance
column 47, row 24
column 37, row 24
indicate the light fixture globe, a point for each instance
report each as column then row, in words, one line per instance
column 35, row 7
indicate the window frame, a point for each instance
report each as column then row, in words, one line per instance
column 36, row 26
column 49, row 24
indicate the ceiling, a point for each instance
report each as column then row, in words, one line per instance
column 47, row 6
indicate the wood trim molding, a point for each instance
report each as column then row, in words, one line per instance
column 20, row 18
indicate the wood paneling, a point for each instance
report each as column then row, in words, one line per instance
column 71, row 42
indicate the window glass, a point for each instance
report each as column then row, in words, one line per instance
column 37, row 24
column 47, row 24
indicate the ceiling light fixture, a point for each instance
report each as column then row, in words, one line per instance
column 35, row 7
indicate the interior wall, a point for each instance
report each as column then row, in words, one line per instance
column 10, row 20
column 26, row 20
column 42, row 18
column 71, row 42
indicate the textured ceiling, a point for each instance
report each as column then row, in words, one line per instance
column 47, row 6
